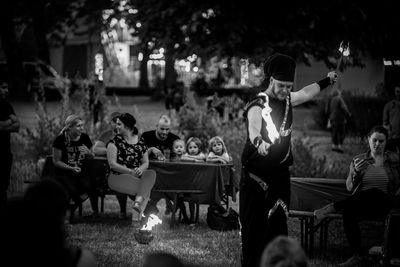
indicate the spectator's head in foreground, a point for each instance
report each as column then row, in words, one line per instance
column 161, row 259
column 283, row 251
column 34, row 229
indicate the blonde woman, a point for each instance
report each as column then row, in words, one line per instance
column 70, row 148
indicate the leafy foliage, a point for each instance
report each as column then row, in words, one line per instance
column 194, row 119
column 40, row 139
column 366, row 112
column 305, row 164
column 299, row 28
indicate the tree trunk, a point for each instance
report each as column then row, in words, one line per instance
column 170, row 73
column 144, row 80
column 39, row 26
column 17, row 85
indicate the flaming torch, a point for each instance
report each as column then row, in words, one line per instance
column 144, row 235
column 344, row 50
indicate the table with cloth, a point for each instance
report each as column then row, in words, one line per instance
column 202, row 183
column 216, row 182
column 309, row 194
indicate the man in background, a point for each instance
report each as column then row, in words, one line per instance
column 160, row 140
column 391, row 121
column 8, row 124
column 339, row 115
column 159, row 143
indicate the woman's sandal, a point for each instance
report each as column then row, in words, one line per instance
column 136, row 206
column 137, row 211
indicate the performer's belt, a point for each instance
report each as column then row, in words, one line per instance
column 279, row 201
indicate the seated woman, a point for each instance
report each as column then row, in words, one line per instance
column 128, row 159
column 375, row 183
column 70, row 148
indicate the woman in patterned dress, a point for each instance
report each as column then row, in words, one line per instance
column 128, row 159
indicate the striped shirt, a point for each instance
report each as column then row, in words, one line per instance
column 375, row 177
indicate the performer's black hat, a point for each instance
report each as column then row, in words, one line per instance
column 281, row 67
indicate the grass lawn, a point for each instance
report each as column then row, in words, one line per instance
column 112, row 240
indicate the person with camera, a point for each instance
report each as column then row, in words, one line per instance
column 374, row 182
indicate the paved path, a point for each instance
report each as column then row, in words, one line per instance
column 145, row 110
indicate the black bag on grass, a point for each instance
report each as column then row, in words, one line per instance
column 221, row 220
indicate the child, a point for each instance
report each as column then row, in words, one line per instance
column 218, row 152
column 178, row 149
column 193, row 148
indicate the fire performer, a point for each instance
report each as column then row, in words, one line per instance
column 265, row 182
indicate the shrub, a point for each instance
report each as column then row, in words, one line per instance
column 366, row 112
column 49, row 125
column 319, row 113
column 193, row 119
column 24, row 170
column 31, row 145
column 305, row 164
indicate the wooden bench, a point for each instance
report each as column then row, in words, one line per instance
column 179, row 195
column 309, row 226
column 389, row 253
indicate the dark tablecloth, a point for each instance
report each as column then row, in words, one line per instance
column 214, row 179
column 309, row 194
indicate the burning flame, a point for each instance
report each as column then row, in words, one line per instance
column 151, row 222
column 344, row 48
column 273, row 134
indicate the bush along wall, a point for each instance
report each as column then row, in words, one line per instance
column 366, row 111
column 31, row 145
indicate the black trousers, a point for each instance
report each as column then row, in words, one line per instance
column 338, row 133
column 77, row 185
column 257, row 230
column 372, row 204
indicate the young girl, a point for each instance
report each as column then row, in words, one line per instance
column 218, row 152
column 178, row 149
column 193, row 148
column 193, row 153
